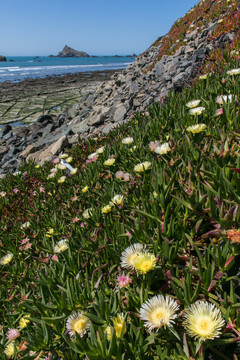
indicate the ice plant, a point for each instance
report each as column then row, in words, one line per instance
column 24, row 321
column 93, row 155
column 142, row 166
column 234, row 235
column 106, row 209
column 159, row 311
column 73, row 171
column 13, row 334
column 77, row 323
column 123, row 281
column 119, row 325
column 233, row 72
column 85, row 189
column 127, row 140
column 221, row 99
column 193, row 104
column 100, row 150
column 50, row 232
column 145, row 262
column 203, row 321
column 109, row 162
column 153, row 145
column 61, row 179
column 87, row 213
column 69, row 159
column 6, row 259
column 130, row 255
column 116, row 200
column 197, row 110
column 10, row 349
column 61, row 246
column 195, row 129
column 162, row 149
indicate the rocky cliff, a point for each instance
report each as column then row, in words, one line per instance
column 171, row 63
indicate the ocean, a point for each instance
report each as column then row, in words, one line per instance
column 18, row 68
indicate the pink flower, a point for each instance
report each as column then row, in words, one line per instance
column 15, row 191
column 74, row 198
column 75, row 219
column 126, row 177
column 41, row 189
column 12, row 334
column 56, row 160
column 54, row 257
column 123, row 280
column 219, row 112
column 24, row 241
column 119, row 174
column 88, row 161
column 94, row 159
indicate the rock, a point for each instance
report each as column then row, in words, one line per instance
column 3, row 150
column 29, row 150
column 6, row 129
column 2, row 58
column 69, row 52
column 119, row 113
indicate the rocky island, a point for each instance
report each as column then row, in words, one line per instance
column 69, row 52
column 2, row 58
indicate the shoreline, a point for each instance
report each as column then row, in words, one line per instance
column 24, row 101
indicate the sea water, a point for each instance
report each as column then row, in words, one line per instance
column 18, row 68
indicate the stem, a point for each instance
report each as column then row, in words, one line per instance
column 221, row 355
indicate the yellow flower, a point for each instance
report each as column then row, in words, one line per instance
column 100, row 150
column 37, row 166
column 77, row 323
column 69, row 159
column 10, row 349
column 109, row 162
column 49, row 232
column 203, row 321
column 63, row 156
column 61, row 166
column 93, row 155
column 155, row 194
column 142, row 166
column 6, row 259
column 195, row 129
column 61, row 179
column 25, row 225
column 159, row 311
column 85, row 189
column 119, row 325
column 203, row 77
column 24, row 321
column 130, row 255
column 133, row 148
column 108, row 332
column 73, row 171
column 61, row 246
column 145, row 262
column 106, row 209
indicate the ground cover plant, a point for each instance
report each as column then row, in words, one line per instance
column 127, row 246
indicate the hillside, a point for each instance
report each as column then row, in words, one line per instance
column 126, row 245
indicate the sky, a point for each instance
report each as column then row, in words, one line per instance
column 98, row 27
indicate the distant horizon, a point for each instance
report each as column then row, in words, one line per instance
column 94, row 27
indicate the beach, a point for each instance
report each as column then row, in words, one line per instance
column 24, row 101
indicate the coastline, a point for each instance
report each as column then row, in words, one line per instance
column 24, row 101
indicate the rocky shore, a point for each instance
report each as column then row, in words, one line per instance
column 145, row 81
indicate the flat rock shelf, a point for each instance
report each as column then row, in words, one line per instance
column 25, row 101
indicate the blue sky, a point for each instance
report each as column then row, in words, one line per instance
column 99, row 27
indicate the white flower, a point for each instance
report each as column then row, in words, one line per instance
column 127, row 140
column 61, row 246
column 6, row 259
column 197, row 110
column 221, row 99
column 93, row 155
column 130, row 255
column 87, row 213
column 77, row 323
column 195, row 129
column 100, row 150
column 116, row 200
column 162, row 149
column 142, row 166
column 159, row 311
column 203, row 321
column 234, row 72
column 193, row 103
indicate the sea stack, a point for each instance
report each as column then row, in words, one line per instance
column 2, row 58
column 69, row 52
